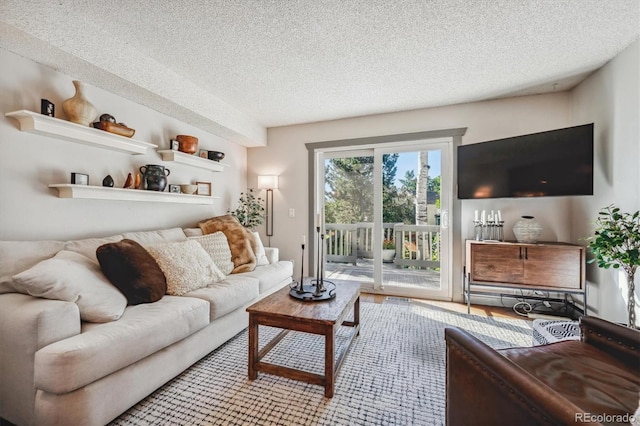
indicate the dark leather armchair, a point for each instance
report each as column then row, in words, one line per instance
column 591, row 381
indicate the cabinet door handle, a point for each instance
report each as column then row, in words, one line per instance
column 526, row 253
column 519, row 252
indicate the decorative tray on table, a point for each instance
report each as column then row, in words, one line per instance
column 118, row 129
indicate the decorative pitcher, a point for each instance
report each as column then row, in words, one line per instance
column 154, row 177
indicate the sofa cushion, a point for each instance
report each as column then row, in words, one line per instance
column 89, row 246
column 18, row 256
column 72, row 277
column 131, row 268
column 217, row 246
column 102, row 349
column 241, row 241
column 185, row 265
column 261, row 255
column 192, row 232
column 231, row 293
column 269, row 276
column 145, row 238
column 590, row 378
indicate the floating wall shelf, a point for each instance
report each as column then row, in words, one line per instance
column 68, row 190
column 191, row 160
column 54, row 127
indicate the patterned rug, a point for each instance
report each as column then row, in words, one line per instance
column 394, row 374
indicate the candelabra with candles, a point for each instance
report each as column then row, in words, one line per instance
column 318, row 288
column 488, row 228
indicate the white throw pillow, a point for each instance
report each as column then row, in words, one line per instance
column 18, row 256
column 217, row 246
column 186, row 265
column 261, row 255
column 72, row 277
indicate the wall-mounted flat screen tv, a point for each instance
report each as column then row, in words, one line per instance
column 554, row 163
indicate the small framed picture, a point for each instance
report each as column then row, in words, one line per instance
column 203, row 153
column 47, row 108
column 204, row 188
column 175, row 145
column 174, row 188
column 79, row 178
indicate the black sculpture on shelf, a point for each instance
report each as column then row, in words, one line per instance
column 318, row 289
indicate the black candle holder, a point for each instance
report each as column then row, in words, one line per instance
column 318, row 288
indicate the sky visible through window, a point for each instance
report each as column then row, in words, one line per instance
column 409, row 161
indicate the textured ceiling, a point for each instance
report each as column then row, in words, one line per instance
column 235, row 67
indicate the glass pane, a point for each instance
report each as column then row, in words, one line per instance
column 349, row 218
column 411, row 220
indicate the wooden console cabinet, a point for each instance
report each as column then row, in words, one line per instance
column 551, row 267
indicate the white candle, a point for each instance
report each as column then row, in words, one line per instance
column 492, row 218
column 483, row 218
column 318, row 219
column 475, row 216
column 499, row 216
column 303, row 239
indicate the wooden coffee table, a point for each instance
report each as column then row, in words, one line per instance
column 283, row 311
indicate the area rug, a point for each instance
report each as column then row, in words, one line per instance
column 394, row 374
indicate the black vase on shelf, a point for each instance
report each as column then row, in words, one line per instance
column 108, row 181
column 154, row 177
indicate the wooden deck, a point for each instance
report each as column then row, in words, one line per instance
column 392, row 275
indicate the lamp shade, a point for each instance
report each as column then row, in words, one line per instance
column 268, row 182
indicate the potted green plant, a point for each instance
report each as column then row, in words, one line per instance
column 250, row 212
column 388, row 250
column 616, row 244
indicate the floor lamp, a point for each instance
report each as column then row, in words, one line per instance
column 269, row 182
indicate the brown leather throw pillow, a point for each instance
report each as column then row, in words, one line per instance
column 133, row 271
column 241, row 242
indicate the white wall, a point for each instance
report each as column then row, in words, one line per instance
column 29, row 210
column 286, row 156
column 610, row 98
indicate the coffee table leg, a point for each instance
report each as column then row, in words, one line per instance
column 253, row 347
column 329, row 361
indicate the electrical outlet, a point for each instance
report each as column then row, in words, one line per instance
column 292, row 212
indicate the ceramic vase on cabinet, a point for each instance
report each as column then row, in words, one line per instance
column 527, row 230
column 78, row 109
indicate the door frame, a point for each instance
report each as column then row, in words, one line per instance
column 452, row 136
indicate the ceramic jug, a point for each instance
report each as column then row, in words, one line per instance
column 154, row 177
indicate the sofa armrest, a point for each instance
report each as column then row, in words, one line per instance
column 616, row 340
column 28, row 324
column 485, row 388
column 273, row 254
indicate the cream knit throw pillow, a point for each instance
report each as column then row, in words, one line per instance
column 217, row 246
column 186, row 266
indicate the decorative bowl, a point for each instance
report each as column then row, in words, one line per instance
column 188, row 188
column 187, row 144
column 215, row 155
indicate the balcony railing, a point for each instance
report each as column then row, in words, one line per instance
column 415, row 245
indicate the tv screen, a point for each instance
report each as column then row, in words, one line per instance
column 554, row 163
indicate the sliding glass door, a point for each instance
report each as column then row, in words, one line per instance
column 386, row 215
column 348, row 182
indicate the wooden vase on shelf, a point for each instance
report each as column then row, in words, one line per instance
column 78, row 109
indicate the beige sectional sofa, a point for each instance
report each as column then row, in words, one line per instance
column 56, row 369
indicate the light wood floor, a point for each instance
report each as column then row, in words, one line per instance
column 480, row 310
